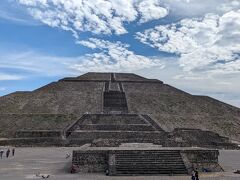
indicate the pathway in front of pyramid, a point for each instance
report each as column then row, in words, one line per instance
column 30, row 162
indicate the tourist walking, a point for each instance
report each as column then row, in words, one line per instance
column 196, row 175
column 193, row 176
column 1, row 153
column 13, row 151
column 7, row 153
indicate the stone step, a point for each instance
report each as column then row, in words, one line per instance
column 83, row 134
column 150, row 158
column 145, row 170
column 150, row 162
column 155, row 154
column 169, row 168
column 115, row 100
column 129, row 127
column 149, row 151
column 182, row 170
column 151, row 171
column 151, row 165
column 148, row 172
column 149, row 155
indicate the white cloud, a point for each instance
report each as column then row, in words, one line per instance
column 113, row 57
column 209, row 44
column 30, row 63
column 151, row 10
column 229, row 6
column 198, row 8
column 98, row 17
column 7, row 77
column 85, row 15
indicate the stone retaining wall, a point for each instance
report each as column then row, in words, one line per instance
column 38, row 133
column 103, row 127
column 90, row 162
column 116, row 134
column 112, row 119
column 202, row 160
column 33, row 142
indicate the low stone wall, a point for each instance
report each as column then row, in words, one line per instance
column 116, row 134
column 198, row 135
column 78, row 142
column 184, row 137
column 201, row 160
column 103, row 127
column 38, row 133
column 112, row 119
column 90, row 162
column 118, row 142
column 29, row 142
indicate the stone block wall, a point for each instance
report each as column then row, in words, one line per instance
column 201, row 160
column 183, row 137
column 29, row 142
column 102, row 127
column 113, row 119
column 117, row 134
column 89, row 162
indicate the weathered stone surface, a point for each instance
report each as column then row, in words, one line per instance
column 58, row 105
column 37, row 134
column 202, row 160
column 145, row 160
column 11, row 123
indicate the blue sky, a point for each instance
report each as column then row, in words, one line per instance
column 191, row 44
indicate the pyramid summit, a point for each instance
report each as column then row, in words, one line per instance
column 117, row 107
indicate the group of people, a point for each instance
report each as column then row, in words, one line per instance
column 7, row 152
column 195, row 175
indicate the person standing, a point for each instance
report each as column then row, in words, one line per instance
column 13, row 151
column 196, row 175
column 1, row 153
column 193, row 175
column 7, row 153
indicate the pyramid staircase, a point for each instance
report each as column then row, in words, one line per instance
column 115, row 101
column 149, row 162
column 114, row 97
column 124, row 127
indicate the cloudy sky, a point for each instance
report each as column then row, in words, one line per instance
column 193, row 45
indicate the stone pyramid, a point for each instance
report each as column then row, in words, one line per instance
column 85, row 103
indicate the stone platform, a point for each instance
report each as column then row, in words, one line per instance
column 105, row 129
column 144, row 159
